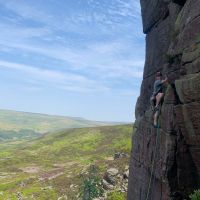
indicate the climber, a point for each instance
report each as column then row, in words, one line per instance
column 158, row 95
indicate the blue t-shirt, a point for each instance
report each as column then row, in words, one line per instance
column 157, row 87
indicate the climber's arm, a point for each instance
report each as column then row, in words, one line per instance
column 164, row 80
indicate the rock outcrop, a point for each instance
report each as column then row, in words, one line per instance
column 173, row 47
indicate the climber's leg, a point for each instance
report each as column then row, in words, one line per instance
column 155, row 118
column 159, row 97
column 152, row 102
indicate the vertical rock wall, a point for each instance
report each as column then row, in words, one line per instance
column 172, row 29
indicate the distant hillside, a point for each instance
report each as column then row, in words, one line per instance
column 19, row 125
column 49, row 167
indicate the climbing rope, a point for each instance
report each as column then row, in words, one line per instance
column 157, row 155
column 153, row 73
column 153, row 163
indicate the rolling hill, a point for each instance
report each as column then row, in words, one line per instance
column 24, row 125
column 49, row 167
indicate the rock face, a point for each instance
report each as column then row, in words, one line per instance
column 173, row 47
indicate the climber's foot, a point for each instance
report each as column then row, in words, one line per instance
column 155, row 125
column 156, row 108
column 152, row 108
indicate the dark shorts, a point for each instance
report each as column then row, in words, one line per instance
column 160, row 91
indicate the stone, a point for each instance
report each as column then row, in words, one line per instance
column 113, row 171
column 188, row 120
column 110, row 179
column 126, row 174
column 180, row 2
column 152, row 12
column 167, row 120
column 120, row 155
column 111, row 176
column 191, row 54
column 19, row 196
column 192, row 68
column 188, row 88
column 126, row 167
column 106, row 185
column 187, row 27
column 100, row 198
column 170, row 95
column 157, row 44
column 64, row 197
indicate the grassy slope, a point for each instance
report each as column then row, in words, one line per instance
column 66, row 152
column 27, row 125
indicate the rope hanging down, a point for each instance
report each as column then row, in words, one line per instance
column 153, row 164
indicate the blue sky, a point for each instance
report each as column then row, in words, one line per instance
column 80, row 58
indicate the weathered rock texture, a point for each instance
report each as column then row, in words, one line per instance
column 173, row 47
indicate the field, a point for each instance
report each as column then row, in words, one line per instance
column 49, row 167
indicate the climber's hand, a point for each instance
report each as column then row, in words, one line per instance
column 165, row 80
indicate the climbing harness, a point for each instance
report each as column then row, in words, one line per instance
column 153, row 162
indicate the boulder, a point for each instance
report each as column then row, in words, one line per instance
column 111, row 176
column 106, row 185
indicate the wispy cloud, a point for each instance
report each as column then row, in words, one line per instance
column 101, row 57
column 61, row 80
column 41, row 73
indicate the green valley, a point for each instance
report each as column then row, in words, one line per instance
column 50, row 167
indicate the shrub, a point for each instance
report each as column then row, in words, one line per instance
column 116, row 196
column 91, row 186
column 195, row 195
